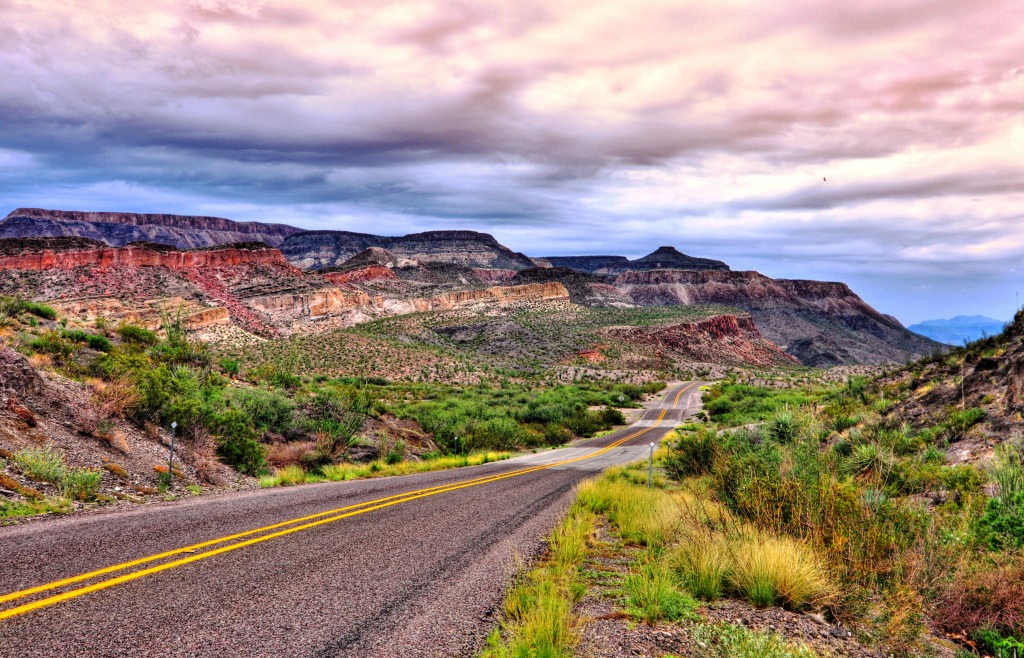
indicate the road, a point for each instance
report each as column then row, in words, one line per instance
column 402, row 566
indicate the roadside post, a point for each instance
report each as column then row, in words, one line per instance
column 170, row 462
column 650, row 467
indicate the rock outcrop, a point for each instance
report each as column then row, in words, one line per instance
column 313, row 250
column 722, row 339
column 118, row 229
column 820, row 323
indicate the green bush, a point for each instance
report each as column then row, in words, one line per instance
column 98, row 343
column 652, row 596
column 40, row 310
column 136, row 335
column 692, row 454
column 1001, row 646
column 958, row 421
column 1002, row 524
column 269, row 410
column 783, row 427
column 237, row 443
column 80, row 483
column 54, row 344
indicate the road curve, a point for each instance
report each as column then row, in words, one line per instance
column 409, row 566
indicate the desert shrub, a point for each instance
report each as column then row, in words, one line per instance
column 870, row 458
column 991, row 599
column 783, row 427
column 691, row 454
column 338, row 414
column 230, row 367
column 611, row 416
column 730, row 641
column 237, row 442
column 962, row 478
column 958, row 421
column 843, row 422
column 1002, row 524
column 53, row 343
column 172, row 394
column 39, row 309
column 96, row 342
column 396, row 454
column 136, row 335
column 739, row 404
column 80, row 483
column 268, row 410
column 44, row 464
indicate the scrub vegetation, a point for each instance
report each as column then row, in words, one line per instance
column 849, row 492
column 275, row 420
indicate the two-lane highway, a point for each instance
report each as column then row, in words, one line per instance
column 411, row 566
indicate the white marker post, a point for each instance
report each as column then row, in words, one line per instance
column 170, row 462
column 650, row 467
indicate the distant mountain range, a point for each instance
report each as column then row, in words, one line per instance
column 333, row 278
column 954, row 331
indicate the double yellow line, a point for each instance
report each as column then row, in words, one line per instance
column 273, row 531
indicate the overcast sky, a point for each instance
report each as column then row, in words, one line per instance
column 879, row 142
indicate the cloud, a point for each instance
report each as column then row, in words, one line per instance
column 567, row 127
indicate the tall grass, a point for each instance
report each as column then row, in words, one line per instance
column 710, row 552
column 295, row 474
column 653, row 594
column 538, row 610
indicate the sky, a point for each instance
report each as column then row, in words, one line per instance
column 877, row 142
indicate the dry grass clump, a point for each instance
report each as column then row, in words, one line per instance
column 709, row 552
column 646, row 517
column 767, row 569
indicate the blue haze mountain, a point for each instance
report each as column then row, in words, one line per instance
column 954, row 331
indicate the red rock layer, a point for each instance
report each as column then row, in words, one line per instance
column 142, row 257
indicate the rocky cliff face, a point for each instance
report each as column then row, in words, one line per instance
column 118, row 229
column 820, row 323
column 319, row 249
column 109, row 257
column 357, row 306
column 722, row 339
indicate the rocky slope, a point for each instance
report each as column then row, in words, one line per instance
column 312, row 250
column 987, row 375
column 118, row 229
column 722, row 339
column 820, row 323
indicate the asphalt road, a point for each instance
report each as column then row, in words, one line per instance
column 403, row 566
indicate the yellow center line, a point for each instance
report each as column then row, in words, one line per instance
column 332, row 516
